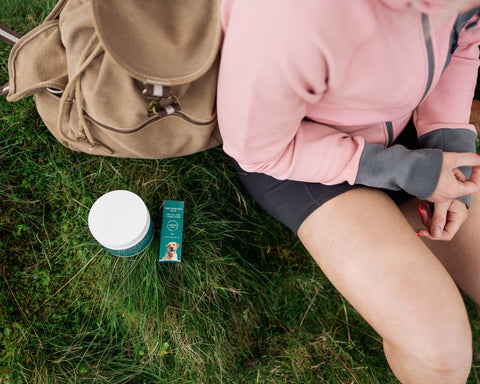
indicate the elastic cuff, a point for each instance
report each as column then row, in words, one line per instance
column 415, row 171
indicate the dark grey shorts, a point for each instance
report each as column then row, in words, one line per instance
column 291, row 202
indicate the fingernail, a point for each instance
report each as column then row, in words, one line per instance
column 420, row 211
column 419, row 234
column 436, row 231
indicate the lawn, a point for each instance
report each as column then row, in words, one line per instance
column 246, row 305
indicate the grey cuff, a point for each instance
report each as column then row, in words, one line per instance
column 396, row 168
column 452, row 140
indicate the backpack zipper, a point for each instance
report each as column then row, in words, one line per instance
column 150, row 121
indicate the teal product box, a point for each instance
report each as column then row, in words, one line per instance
column 172, row 231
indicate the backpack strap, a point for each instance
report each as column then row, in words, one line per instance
column 5, row 89
column 8, row 36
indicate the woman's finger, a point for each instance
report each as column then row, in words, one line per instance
column 451, row 228
column 425, row 215
column 457, row 160
column 454, row 218
column 459, row 175
column 434, row 222
column 439, row 218
column 452, row 183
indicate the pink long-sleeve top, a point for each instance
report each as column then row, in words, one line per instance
column 317, row 90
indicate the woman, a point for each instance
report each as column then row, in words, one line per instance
column 317, row 103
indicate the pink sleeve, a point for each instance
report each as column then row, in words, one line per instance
column 271, row 68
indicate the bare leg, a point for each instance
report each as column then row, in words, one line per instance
column 370, row 253
column 460, row 256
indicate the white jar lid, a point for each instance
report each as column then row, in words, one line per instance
column 119, row 220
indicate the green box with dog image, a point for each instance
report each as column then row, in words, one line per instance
column 172, row 231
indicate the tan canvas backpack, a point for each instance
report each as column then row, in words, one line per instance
column 125, row 78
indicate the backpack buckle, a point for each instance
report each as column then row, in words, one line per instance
column 161, row 99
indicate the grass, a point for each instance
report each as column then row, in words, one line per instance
column 246, row 305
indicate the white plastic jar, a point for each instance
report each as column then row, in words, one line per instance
column 121, row 223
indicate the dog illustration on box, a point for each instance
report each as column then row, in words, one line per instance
column 171, row 254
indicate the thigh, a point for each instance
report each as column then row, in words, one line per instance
column 460, row 256
column 368, row 250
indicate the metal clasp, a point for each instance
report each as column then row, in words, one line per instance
column 161, row 100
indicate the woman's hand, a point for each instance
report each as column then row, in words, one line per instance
column 452, row 182
column 445, row 220
column 449, row 214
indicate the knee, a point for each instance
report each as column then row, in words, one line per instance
column 449, row 354
column 443, row 354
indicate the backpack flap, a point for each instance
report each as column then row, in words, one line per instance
column 40, row 45
column 161, row 42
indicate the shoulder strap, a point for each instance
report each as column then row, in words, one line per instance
column 5, row 89
column 8, row 36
